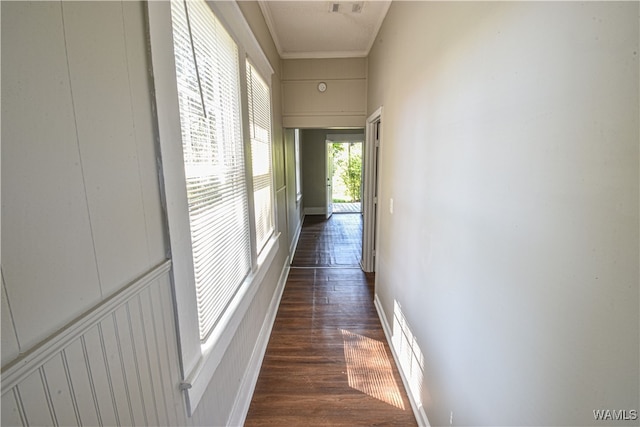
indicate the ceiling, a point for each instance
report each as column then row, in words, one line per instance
column 324, row 29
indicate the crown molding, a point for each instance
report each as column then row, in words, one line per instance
column 268, row 17
column 325, row 55
column 378, row 26
column 266, row 13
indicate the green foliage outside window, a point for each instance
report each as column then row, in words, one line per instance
column 347, row 161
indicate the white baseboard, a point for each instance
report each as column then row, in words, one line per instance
column 248, row 384
column 315, row 211
column 418, row 410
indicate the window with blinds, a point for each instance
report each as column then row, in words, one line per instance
column 260, row 132
column 207, row 71
column 296, row 152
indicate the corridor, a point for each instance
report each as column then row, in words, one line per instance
column 328, row 362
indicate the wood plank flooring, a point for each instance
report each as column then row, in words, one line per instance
column 327, row 362
column 330, row 243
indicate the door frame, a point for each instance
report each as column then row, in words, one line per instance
column 371, row 190
column 328, row 175
column 342, row 138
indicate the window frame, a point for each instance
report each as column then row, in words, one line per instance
column 260, row 246
column 199, row 360
column 298, row 165
column 208, row 74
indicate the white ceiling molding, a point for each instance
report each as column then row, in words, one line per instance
column 378, row 25
column 323, row 55
column 266, row 12
column 307, row 29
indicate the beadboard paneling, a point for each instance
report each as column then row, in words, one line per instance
column 11, row 410
column 35, row 402
column 83, row 390
column 59, row 392
column 121, row 369
column 118, row 363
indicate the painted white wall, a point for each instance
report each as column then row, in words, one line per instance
column 510, row 150
column 342, row 104
column 312, row 159
column 82, row 218
column 294, row 206
column 80, row 201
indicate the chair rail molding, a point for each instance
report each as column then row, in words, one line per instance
column 28, row 362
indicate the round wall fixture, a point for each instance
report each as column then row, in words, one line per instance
column 322, row 86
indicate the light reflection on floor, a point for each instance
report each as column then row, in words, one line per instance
column 409, row 353
column 369, row 369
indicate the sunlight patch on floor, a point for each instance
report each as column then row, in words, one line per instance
column 369, row 369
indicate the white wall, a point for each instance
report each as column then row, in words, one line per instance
column 83, row 220
column 344, row 102
column 80, row 200
column 294, row 205
column 510, row 149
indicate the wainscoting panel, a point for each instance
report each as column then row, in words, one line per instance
column 120, row 367
column 61, row 400
column 118, row 364
column 82, row 394
column 11, row 415
column 33, row 398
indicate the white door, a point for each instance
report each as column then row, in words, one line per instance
column 329, row 178
column 370, row 189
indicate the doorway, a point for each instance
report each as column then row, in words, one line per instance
column 346, row 158
column 321, row 177
column 344, row 173
column 370, row 192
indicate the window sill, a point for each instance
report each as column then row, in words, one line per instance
column 215, row 347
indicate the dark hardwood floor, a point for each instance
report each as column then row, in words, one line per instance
column 330, row 243
column 327, row 362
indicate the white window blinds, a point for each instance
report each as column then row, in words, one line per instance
column 296, row 148
column 207, row 72
column 260, row 132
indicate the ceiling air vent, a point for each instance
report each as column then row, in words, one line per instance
column 346, row 6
